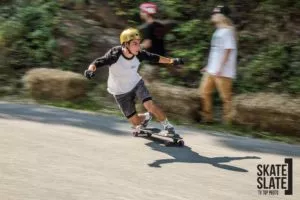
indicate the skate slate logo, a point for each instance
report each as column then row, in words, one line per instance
column 273, row 178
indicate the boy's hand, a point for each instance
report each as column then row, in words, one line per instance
column 89, row 74
column 177, row 61
column 92, row 68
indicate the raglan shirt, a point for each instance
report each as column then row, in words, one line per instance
column 123, row 72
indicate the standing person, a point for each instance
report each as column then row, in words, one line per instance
column 124, row 82
column 221, row 66
column 153, row 32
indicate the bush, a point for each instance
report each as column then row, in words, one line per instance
column 275, row 69
column 268, row 38
column 263, row 64
column 29, row 33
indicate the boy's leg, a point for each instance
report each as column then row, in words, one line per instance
column 207, row 87
column 224, row 86
column 144, row 95
column 126, row 103
column 136, row 120
column 145, row 118
column 159, row 115
column 155, row 110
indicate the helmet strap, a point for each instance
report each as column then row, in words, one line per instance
column 125, row 45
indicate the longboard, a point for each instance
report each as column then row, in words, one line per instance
column 176, row 138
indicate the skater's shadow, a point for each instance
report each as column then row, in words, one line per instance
column 186, row 155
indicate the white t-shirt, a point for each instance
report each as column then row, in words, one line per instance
column 223, row 38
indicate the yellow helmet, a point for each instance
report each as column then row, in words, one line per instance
column 129, row 34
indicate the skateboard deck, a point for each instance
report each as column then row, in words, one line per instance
column 176, row 138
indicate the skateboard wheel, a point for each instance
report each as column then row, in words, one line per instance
column 180, row 143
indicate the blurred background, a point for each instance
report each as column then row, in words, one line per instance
column 66, row 36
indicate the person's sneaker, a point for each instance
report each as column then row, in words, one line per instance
column 136, row 130
column 148, row 117
column 170, row 129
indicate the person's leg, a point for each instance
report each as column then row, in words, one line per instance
column 224, row 86
column 155, row 110
column 159, row 115
column 144, row 95
column 126, row 103
column 207, row 87
column 136, row 120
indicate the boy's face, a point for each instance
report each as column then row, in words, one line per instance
column 134, row 46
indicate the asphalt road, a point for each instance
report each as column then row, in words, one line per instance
column 49, row 153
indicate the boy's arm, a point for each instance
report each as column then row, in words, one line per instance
column 99, row 62
column 165, row 60
column 145, row 55
column 172, row 61
column 108, row 59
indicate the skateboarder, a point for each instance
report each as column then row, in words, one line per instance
column 124, row 82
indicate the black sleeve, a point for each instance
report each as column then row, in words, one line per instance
column 147, row 33
column 145, row 55
column 109, row 58
column 145, row 29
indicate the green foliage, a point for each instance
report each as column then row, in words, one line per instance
column 275, row 68
column 191, row 46
column 29, row 32
column 263, row 63
column 269, row 48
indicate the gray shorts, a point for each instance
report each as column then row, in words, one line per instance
column 127, row 102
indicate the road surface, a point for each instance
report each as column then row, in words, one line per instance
column 49, row 153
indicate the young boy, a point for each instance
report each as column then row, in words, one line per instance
column 124, row 82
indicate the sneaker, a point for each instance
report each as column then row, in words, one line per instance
column 148, row 117
column 170, row 129
column 137, row 129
